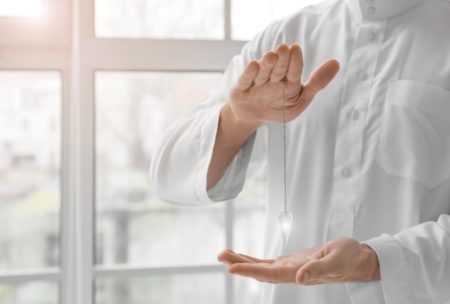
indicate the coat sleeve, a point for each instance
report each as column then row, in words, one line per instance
column 414, row 266
column 180, row 165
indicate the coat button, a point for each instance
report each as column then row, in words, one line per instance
column 346, row 172
column 371, row 11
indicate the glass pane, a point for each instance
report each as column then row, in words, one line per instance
column 20, row 8
column 249, row 233
column 29, row 169
column 245, row 23
column 29, row 293
column 133, row 225
column 246, row 290
column 249, row 216
column 162, row 289
column 184, row 19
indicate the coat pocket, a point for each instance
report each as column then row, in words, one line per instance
column 414, row 140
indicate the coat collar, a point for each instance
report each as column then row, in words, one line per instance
column 381, row 9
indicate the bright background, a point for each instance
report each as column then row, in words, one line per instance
column 86, row 90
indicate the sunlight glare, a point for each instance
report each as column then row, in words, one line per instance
column 21, row 8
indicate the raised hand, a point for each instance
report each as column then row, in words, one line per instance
column 257, row 97
column 341, row 260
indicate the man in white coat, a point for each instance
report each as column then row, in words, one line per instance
column 368, row 151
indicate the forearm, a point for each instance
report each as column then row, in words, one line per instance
column 231, row 136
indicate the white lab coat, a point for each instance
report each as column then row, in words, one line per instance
column 369, row 159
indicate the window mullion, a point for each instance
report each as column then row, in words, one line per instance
column 29, row 275
column 173, row 55
column 85, row 189
column 78, row 287
column 229, row 240
column 227, row 12
column 134, row 271
column 68, row 203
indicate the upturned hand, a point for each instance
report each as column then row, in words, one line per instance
column 341, row 260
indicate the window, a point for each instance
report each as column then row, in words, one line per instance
column 86, row 91
column 21, row 8
column 251, row 16
column 162, row 288
column 133, row 109
column 30, row 147
column 38, row 292
column 182, row 19
column 29, row 167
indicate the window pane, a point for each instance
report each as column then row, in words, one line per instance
column 249, row 216
column 133, row 225
column 29, row 293
column 162, row 289
column 184, row 19
column 29, row 169
column 245, row 23
column 246, row 290
column 249, row 233
column 20, row 8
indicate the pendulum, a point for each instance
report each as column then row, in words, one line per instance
column 285, row 216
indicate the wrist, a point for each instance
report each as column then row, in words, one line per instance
column 229, row 118
column 232, row 133
column 370, row 264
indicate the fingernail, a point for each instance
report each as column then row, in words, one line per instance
column 306, row 276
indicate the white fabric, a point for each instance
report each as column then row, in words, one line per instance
column 369, row 159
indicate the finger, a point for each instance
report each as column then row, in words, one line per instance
column 317, row 270
column 263, row 272
column 256, row 260
column 248, row 76
column 229, row 257
column 320, row 78
column 295, row 67
column 280, row 69
column 266, row 65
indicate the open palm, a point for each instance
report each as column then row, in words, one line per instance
column 258, row 94
column 280, row 270
column 340, row 260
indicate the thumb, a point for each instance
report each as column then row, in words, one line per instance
column 320, row 78
column 314, row 270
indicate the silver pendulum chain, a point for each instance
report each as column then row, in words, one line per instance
column 285, row 216
column 284, row 149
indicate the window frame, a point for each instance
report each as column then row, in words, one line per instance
column 66, row 42
column 107, row 54
column 48, row 31
column 57, row 62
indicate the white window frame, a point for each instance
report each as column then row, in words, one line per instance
column 74, row 51
column 31, row 45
